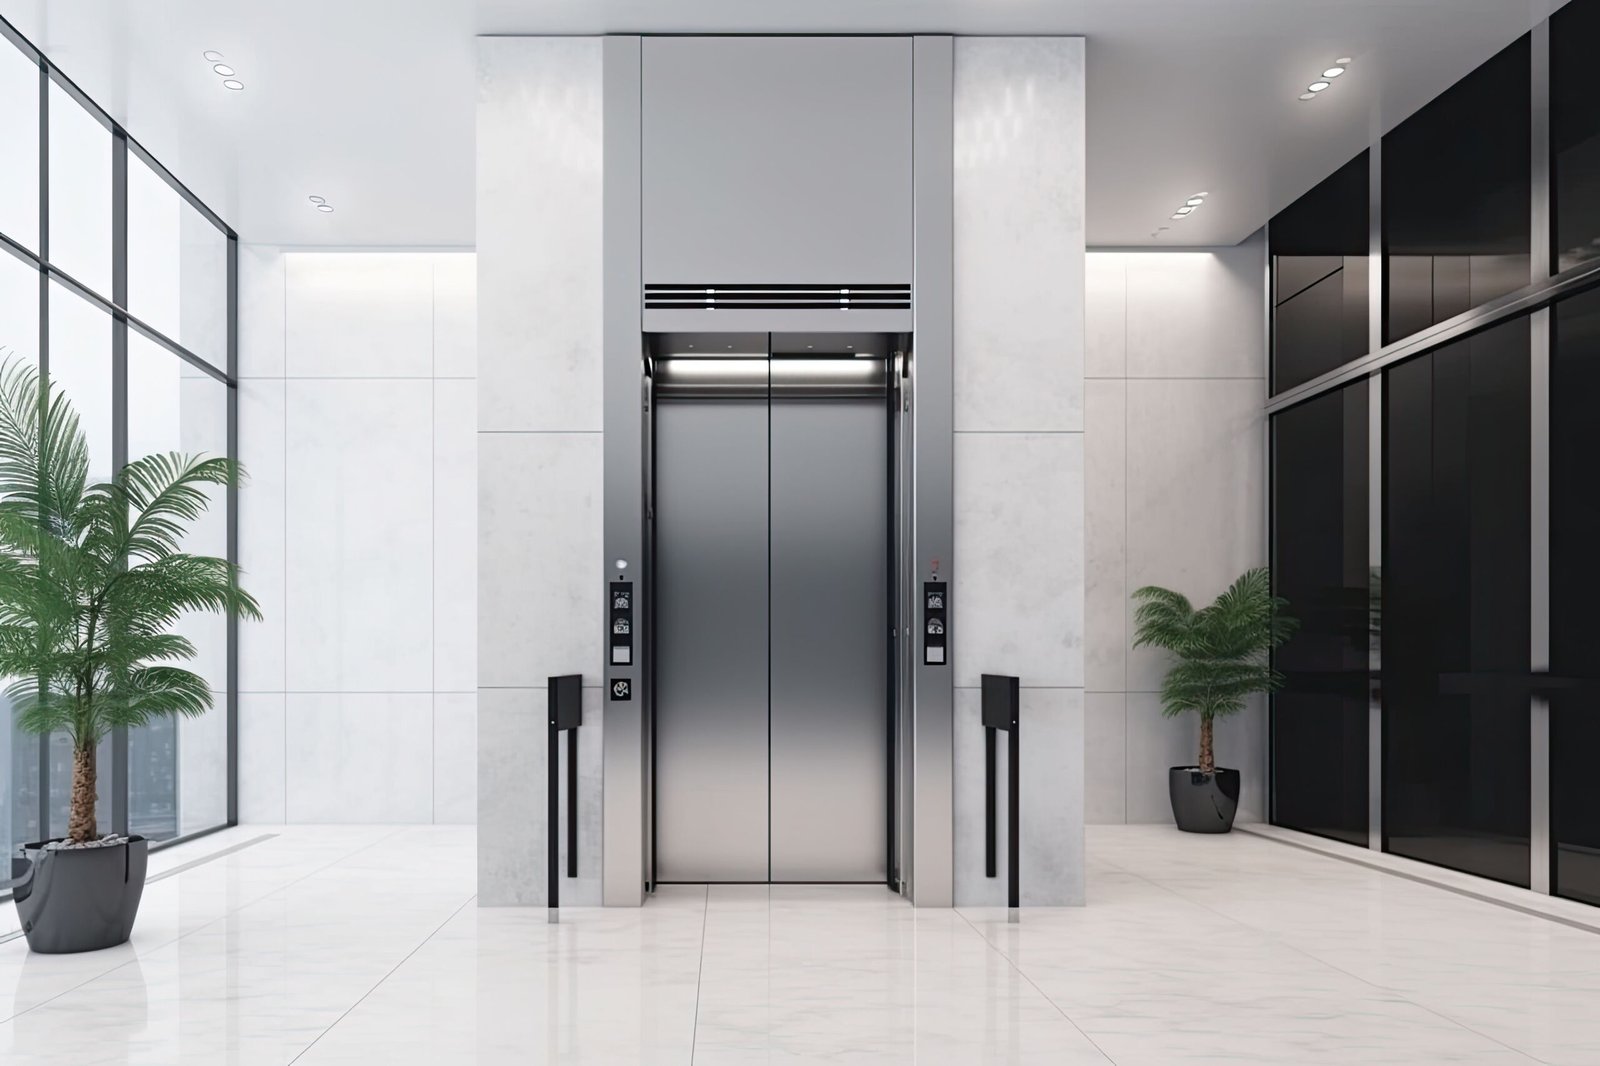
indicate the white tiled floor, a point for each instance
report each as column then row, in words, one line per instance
column 365, row 945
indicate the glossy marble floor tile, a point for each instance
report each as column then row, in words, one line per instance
column 336, row 945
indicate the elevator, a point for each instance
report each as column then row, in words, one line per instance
column 772, row 503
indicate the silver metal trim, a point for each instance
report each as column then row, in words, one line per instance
column 1374, row 636
column 931, row 863
column 1542, row 237
column 781, row 378
column 1539, row 827
column 1527, row 299
column 624, row 759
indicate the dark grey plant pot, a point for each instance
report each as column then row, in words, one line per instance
column 82, row 899
column 1203, row 803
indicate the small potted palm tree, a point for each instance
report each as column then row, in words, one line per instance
column 1222, row 654
column 92, row 582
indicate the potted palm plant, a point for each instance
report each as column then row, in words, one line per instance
column 92, row 582
column 1222, row 654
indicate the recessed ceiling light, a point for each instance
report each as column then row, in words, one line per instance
column 1333, row 72
column 1343, row 61
column 233, row 84
column 212, row 56
column 1180, row 216
column 223, row 69
column 1182, row 211
column 1317, row 86
column 316, row 199
column 1194, row 201
column 1308, row 96
column 325, row 208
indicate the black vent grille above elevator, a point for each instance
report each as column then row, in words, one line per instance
column 777, row 297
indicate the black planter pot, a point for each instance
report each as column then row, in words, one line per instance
column 1203, row 803
column 79, row 899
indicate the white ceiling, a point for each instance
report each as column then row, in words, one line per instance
column 369, row 103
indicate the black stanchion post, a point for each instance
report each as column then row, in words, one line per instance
column 1000, row 704
column 565, row 698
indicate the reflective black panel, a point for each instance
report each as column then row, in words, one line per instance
column 1455, row 603
column 1574, row 585
column 1319, row 719
column 1456, row 194
column 1319, row 247
column 1575, row 132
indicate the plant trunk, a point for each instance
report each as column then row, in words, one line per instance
column 80, row 820
column 1208, row 761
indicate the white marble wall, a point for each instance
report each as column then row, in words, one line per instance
column 1175, row 452
column 1018, row 577
column 539, row 436
column 358, row 531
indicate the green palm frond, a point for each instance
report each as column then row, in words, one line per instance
column 1221, row 649
column 93, row 578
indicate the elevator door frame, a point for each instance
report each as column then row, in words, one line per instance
column 897, row 649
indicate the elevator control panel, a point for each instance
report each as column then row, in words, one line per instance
column 935, row 619
column 621, row 627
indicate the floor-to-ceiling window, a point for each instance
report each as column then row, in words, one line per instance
column 117, row 281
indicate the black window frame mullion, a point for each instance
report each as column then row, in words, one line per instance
column 119, row 421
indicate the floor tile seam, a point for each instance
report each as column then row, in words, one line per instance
column 202, row 926
column 379, row 983
column 1309, row 954
column 699, row 976
column 998, row 950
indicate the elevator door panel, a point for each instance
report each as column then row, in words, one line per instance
column 711, row 641
column 830, row 647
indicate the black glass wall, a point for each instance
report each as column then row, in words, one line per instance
column 1457, row 187
column 1575, row 133
column 1320, row 552
column 1574, row 593
column 1455, row 605
column 1319, row 247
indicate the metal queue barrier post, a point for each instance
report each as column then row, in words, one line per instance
column 566, row 713
column 1000, row 700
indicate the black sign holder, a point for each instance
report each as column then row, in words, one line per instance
column 566, row 713
column 1000, row 699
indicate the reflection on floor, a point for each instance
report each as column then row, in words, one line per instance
column 365, row 945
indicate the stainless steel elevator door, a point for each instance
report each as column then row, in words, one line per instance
column 710, row 572
column 772, row 647
column 830, row 639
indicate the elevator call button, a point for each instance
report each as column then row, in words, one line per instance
column 935, row 623
column 621, row 596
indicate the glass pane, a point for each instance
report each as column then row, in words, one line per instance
column 19, row 134
column 177, row 266
column 1456, row 190
column 178, row 771
column 1574, row 583
column 80, row 364
column 19, row 753
column 80, row 193
column 1319, row 269
column 1575, row 132
column 1320, row 565
column 1455, row 606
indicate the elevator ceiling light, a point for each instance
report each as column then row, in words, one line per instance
column 224, row 70
column 320, row 200
column 211, row 56
column 1194, row 201
column 1333, row 72
column 1343, row 61
column 1316, row 86
column 1308, row 96
column 233, row 84
column 326, row 209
